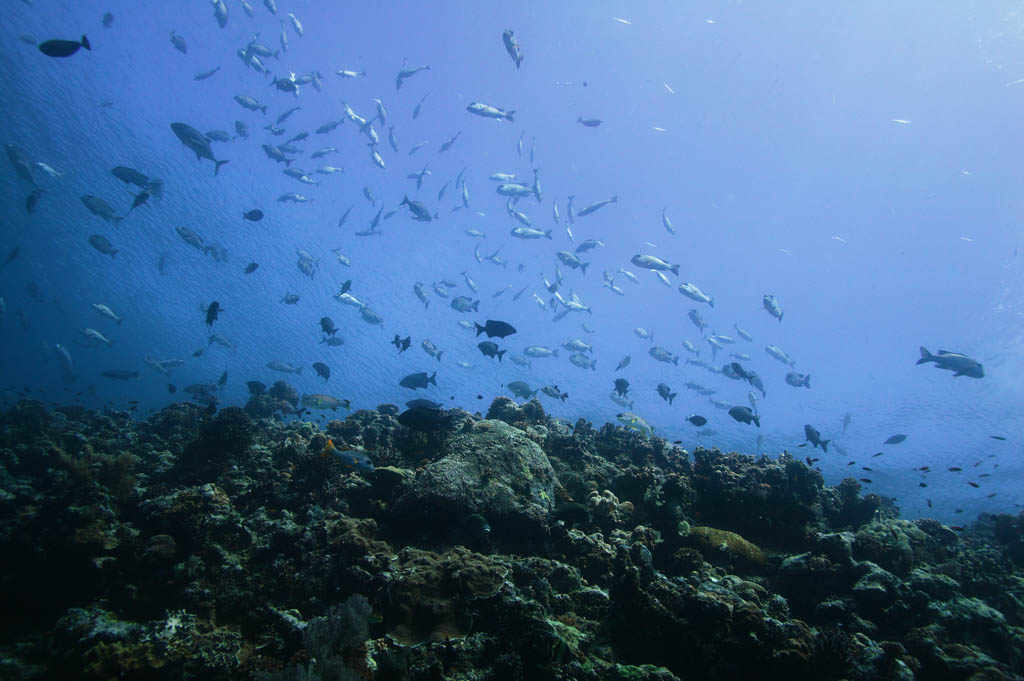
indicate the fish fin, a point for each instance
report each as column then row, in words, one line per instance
column 824, row 445
column 509, row 114
column 479, row 329
column 583, row 267
column 217, row 165
column 500, row 353
column 86, row 44
column 675, row 270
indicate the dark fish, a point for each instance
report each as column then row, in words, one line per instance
column 140, row 198
column 589, row 122
column 799, row 381
column 814, row 437
column 424, row 419
column 512, row 46
column 212, row 312
column 101, row 244
column 418, row 380
column 251, row 267
column 346, row 286
column 895, row 439
column 119, row 374
column 12, row 256
column 621, row 386
column 959, row 364
column 997, row 437
column 623, row 363
column 223, row 379
column 490, row 349
column 255, row 215
column 745, row 415
column 429, row 404
column 697, row 420
column 402, row 343
column 108, row 20
column 198, row 353
column 495, row 328
column 197, row 142
column 322, row 370
column 255, row 387
column 666, row 393
column 33, row 200
column 327, row 326
column 63, row 48
column 171, row 388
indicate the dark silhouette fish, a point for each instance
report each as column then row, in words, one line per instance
column 63, row 48
column 212, row 312
column 254, row 215
column 495, row 328
column 814, row 437
column 895, row 439
column 425, row 419
column 697, row 420
column 420, row 380
column 197, row 142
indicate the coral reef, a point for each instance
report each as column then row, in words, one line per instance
column 224, row 545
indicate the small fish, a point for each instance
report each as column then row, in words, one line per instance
column 589, row 122
column 895, row 439
column 254, row 215
column 697, row 420
column 814, row 437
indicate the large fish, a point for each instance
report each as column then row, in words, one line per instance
column 197, row 142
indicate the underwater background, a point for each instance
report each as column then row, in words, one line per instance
column 858, row 163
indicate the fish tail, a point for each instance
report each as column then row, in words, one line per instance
column 675, row 360
column 509, row 114
column 675, row 270
column 925, row 356
column 432, row 378
column 86, row 44
column 217, row 165
column 439, row 353
column 824, row 445
column 711, row 301
column 548, row 234
column 263, row 108
column 807, row 381
column 671, row 396
column 583, row 267
column 756, row 419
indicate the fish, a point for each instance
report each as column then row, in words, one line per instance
column 495, row 328
column 425, row 419
column 490, row 349
column 895, row 439
column 772, row 306
column 197, row 142
column 582, row 361
column 635, row 422
column 418, row 380
column 101, row 208
column 621, row 386
column 179, row 43
column 96, row 337
column 667, row 223
column 555, row 392
column 107, row 312
column 798, row 380
column 464, row 304
column 745, row 415
column 203, row 75
column 120, row 374
column 537, row 351
column 419, row 105
column 405, row 73
column 283, row 367
column 596, row 206
column 32, row 200
column 322, row 370
column 488, row 111
column 349, row 73
column 213, row 310
column 697, row 420
column 101, row 244
column 320, row 401
column 419, row 211
column 652, row 262
column 401, row 343
column 666, row 393
column 521, row 389
column 220, row 12
column 349, row 457
column 63, row 48
column 692, row 292
column 778, row 354
column 662, row 355
column 254, row 215
column 431, row 349
column 589, row 122
column 587, row 245
column 958, row 363
column 512, row 46
column 623, row 363
column 22, row 166
column 570, row 260
column 814, row 437
column 745, row 335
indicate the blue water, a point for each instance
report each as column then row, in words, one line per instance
column 858, row 163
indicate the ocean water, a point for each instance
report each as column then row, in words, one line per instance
column 858, row 163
